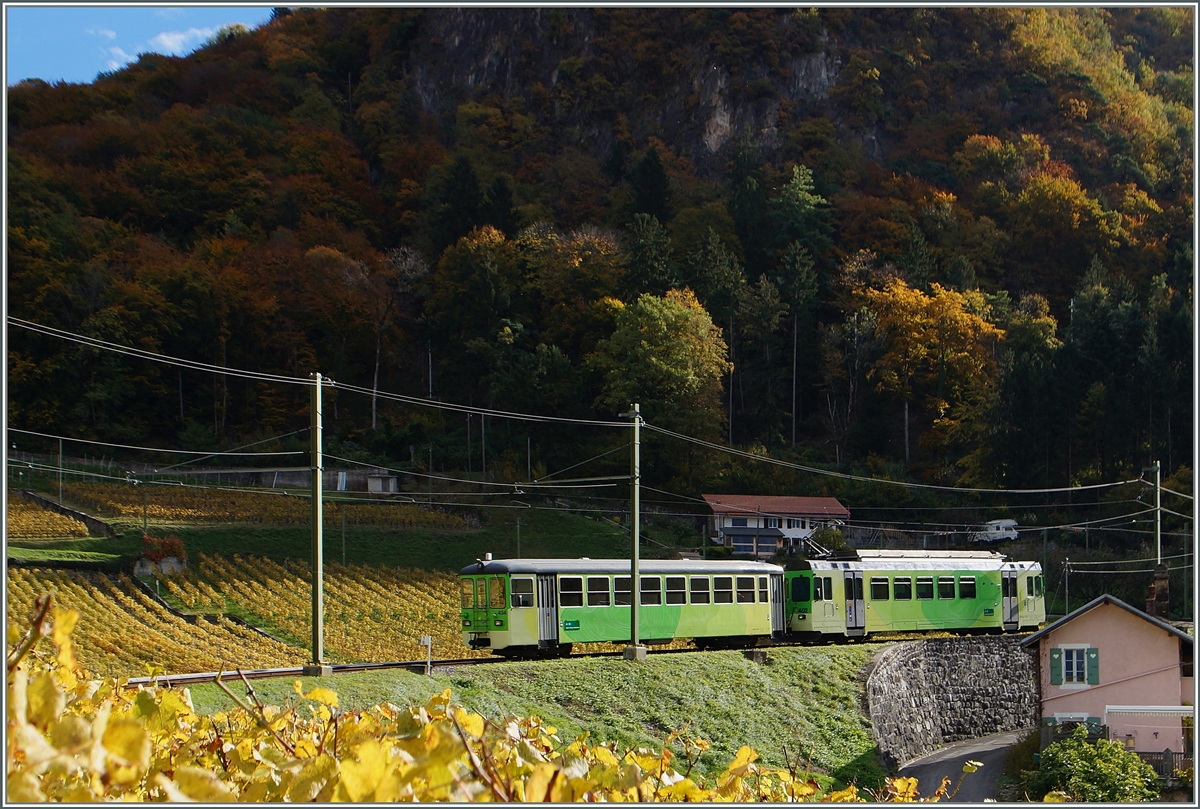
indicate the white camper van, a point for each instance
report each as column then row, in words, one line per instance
column 996, row 531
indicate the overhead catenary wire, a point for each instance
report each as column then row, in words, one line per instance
column 142, row 353
column 210, row 453
column 863, row 479
column 1129, row 561
column 308, row 382
column 1112, row 572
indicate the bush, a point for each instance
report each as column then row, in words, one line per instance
column 159, row 548
column 1104, row 771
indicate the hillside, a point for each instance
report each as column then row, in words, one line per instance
column 489, row 206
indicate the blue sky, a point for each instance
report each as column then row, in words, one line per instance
column 63, row 43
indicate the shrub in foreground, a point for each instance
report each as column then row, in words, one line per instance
column 71, row 738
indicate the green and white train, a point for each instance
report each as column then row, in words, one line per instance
column 527, row 607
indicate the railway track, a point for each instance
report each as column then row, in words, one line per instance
column 418, row 666
column 297, row 671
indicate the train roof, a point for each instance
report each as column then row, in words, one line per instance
column 617, row 566
column 917, row 563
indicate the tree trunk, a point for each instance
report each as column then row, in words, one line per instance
column 906, row 461
column 795, row 326
column 731, row 380
column 375, row 384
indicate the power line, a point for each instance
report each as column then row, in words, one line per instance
column 1177, row 494
column 845, row 476
column 509, row 486
column 245, row 446
column 141, row 353
column 239, row 373
column 1130, row 561
column 159, row 449
column 1147, row 570
column 485, row 411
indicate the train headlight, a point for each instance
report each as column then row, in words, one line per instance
column 499, row 622
column 466, row 622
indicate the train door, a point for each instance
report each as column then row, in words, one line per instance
column 778, row 624
column 547, row 611
column 1009, row 599
column 479, row 616
column 856, row 612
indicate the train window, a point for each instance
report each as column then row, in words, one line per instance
column 902, row 588
column 700, row 589
column 496, row 599
column 1041, row 586
column 676, row 590
column 945, row 587
column 801, row 588
column 522, row 592
column 622, row 591
column 924, row 587
column 879, row 588
column 828, row 587
column 818, row 592
column 570, row 591
column 763, row 593
column 966, row 587
column 1029, row 586
column 745, row 589
column 858, row 588
column 598, row 591
column 651, row 590
column 468, row 593
column 723, row 589
column 481, row 594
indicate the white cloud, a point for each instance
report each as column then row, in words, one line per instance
column 175, row 42
column 101, row 32
column 121, row 55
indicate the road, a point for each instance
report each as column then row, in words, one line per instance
column 978, row 786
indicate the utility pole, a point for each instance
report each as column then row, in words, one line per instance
column 60, row 471
column 635, row 650
column 317, row 668
column 518, row 537
column 1158, row 510
column 1067, row 574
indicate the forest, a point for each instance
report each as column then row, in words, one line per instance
column 950, row 246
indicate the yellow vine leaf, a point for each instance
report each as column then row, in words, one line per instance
column 472, row 723
column 44, row 701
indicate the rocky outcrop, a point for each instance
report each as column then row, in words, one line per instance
column 925, row 694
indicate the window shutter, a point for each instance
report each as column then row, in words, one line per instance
column 1093, row 666
column 1056, row 667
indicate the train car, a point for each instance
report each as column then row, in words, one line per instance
column 531, row 607
column 913, row 591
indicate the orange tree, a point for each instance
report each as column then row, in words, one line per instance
column 938, row 343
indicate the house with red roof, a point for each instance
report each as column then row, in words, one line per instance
column 761, row 525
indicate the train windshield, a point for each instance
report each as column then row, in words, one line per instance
column 801, row 588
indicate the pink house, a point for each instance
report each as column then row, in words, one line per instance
column 1110, row 664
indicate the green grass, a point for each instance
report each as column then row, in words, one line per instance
column 804, row 700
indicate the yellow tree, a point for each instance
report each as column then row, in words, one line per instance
column 939, row 342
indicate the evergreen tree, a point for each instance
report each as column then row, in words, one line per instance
column 648, row 263
column 457, row 205
column 497, row 207
column 651, row 191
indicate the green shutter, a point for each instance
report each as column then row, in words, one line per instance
column 1093, row 666
column 1056, row 667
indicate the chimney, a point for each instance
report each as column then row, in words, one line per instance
column 1159, row 602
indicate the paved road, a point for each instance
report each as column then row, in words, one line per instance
column 978, row 786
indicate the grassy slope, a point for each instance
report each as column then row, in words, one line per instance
column 544, row 532
column 804, row 699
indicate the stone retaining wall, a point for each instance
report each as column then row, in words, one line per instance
column 95, row 527
column 924, row 694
